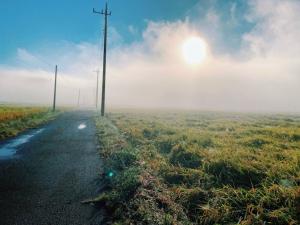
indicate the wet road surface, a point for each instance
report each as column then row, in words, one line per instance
column 51, row 173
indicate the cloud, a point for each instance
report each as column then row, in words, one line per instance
column 133, row 30
column 152, row 73
column 277, row 29
column 24, row 56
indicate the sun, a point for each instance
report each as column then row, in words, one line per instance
column 194, row 50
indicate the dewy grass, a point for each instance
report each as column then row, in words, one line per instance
column 14, row 120
column 200, row 168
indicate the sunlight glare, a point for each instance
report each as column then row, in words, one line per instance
column 194, row 50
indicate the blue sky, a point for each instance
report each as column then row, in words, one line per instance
column 32, row 24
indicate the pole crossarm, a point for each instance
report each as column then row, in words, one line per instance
column 105, row 12
column 102, row 12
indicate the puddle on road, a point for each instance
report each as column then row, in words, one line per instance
column 81, row 126
column 9, row 149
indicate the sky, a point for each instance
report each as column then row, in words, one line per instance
column 253, row 60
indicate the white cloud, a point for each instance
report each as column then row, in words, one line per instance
column 152, row 73
column 277, row 29
column 24, row 56
column 133, row 30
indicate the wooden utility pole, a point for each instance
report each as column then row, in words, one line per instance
column 105, row 13
column 54, row 98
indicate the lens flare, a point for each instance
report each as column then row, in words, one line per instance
column 110, row 174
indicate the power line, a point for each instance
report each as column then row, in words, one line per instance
column 106, row 13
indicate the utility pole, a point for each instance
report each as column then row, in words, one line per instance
column 97, row 89
column 54, row 99
column 78, row 100
column 105, row 13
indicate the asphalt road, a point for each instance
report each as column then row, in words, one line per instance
column 51, row 174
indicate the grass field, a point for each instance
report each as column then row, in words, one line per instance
column 201, row 168
column 14, row 120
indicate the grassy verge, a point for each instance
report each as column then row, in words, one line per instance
column 14, row 120
column 201, row 168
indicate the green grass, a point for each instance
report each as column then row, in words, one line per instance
column 14, row 120
column 201, row 168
